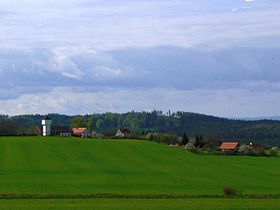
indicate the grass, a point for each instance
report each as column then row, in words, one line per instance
column 70, row 166
column 74, row 166
column 140, row 204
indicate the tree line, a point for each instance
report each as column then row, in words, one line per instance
column 177, row 123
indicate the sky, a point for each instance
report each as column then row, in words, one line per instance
column 90, row 56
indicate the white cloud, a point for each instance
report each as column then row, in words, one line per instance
column 240, row 8
column 112, row 25
column 167, row 67
column 62, row 64
column 230, row 102
column 82, row 44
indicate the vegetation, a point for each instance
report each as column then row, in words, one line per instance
column 266, row 132
column 39, row 165
column 74, row 173
column 231, row 192
column 142, row 204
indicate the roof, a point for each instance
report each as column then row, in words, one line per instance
column 124, row 130
column 57, row 129
column 256, row 146
column 79, row 130
column 46, row 117
column 229, row 145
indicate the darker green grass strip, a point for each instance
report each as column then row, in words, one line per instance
column 132, row 196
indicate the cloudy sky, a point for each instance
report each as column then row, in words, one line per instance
column 84, row 56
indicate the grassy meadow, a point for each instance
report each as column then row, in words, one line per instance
column 140, row 204
column 39, row 166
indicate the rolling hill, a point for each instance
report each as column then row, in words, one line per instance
column 37, row 165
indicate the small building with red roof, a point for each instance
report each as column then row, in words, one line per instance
column 229, row 146
column 81, row 132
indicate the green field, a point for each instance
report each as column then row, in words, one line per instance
column 71, row 167
column 140, row 204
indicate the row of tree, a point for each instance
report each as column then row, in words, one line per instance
column 263, row 131
column 9, row 127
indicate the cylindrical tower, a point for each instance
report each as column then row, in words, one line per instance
column 46, row 123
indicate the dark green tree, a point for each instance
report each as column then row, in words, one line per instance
column 199, row 141
column 78, row 122
column 100, row 124
column 185, row 139
column 90, row 124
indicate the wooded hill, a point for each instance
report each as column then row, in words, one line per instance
column 266, row 132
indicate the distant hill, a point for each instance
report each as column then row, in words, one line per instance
column 262, row 118
column 266, row 132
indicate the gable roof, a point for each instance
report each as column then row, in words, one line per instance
column 256, row 146
column 124, row 130
column 229, row 145
column 79, row 130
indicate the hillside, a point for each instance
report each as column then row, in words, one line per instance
column 37, row 165
column 266, row 132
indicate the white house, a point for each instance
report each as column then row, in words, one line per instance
column 122, row 132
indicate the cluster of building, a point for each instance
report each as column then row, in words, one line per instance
column 49, row 130
column 234, row 147
column 227, row 147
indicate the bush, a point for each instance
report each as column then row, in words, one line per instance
column 273, row 152
column 110, row 132
column 163, row 138
column 246, row 150
column 230, row 191
column 191, row 147
column 149, row 136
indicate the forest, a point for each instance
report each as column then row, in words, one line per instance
column 191, row 124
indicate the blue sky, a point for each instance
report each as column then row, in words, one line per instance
column 83, row 56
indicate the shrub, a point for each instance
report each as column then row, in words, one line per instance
column 191, row 147
column 246, row 150
column 168, row 138
column 151, row 136
column 230, row 191
column 163, row 138
column 273, row 152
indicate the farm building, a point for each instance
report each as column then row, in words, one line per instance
column 122, row 132
column 81, row 132
column 258, row 148
column 229, row 146
column 61, row 131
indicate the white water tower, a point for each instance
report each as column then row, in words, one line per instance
column 46, row 123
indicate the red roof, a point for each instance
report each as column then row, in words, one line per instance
column 229, row 145
column 256, row 146
column 78, row 131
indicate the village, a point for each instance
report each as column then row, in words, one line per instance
column 193, row 144
column 140, row 105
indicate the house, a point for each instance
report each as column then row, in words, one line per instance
column 229, row 146
column 81, row 132
column 258, row 148
column 61, row 131
column 122, row 132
